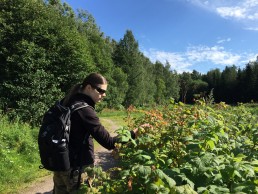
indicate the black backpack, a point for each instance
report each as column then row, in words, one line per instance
column 53, row 137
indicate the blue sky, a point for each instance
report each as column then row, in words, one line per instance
column 190, row 34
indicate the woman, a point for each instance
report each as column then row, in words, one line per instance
column 85, row 125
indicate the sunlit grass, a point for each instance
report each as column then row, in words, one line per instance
column 19, row 159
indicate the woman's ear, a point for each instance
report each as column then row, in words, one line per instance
column 87, row 89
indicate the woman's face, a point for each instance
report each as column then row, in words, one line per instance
column 96, row 92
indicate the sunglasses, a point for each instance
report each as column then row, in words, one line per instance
column 101, row 91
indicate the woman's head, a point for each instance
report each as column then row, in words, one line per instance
column 94, row 79
column 95, row 86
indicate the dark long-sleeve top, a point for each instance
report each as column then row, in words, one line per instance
column 85, row 125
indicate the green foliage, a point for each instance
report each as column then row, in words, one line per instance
column 19, row 159
column 167, row 83
column 188, row 149
column 185, row 84
column 43, row 55
column 234, row 85
column 138, row 70
column 213, row 78
column 228, row 85
column 46, row 48
column 117, row 89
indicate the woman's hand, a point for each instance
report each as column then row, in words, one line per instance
column 145, row 125
column 135, row 130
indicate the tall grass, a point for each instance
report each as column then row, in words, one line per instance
column 19, row 158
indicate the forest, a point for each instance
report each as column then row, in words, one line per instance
column 46, row 47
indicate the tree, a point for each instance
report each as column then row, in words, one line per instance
column 192, row 86
column 159, row 82
column 167, row 83
column 256, row 80
column 250, row 80
column 42, row 56
column 128, row 58
column 228, row 85
column 171, row 82
column 185, row 84
column 117, row 88
column 213, row 78
column 98, row 46
column 198, row 89
column 195, row 75
column 148, row 82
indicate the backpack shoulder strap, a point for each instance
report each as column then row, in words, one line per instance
column 79, row 105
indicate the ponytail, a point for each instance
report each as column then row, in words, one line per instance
column 74, row 90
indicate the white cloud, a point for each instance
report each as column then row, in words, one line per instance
column 235, row 12
column 251, row 3
column 177, row 60
column 220, row 41
column 245, row 11
column 254, row 29
column 216, row 55
column 198, row 55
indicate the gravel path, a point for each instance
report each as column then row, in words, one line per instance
column 103, row 158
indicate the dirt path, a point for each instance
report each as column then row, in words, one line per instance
column 103, row 158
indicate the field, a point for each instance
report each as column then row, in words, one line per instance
column 183, row 149
column 186, row 149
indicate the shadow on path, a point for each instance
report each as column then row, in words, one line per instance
column 48, row 192
column 105, row 160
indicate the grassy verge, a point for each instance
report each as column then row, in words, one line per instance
column 19, row 159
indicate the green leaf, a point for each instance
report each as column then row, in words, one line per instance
column 211, row 144
column 256, row 181
column 124, row 139
column 159, row 182
column 237, row 174
column 185, row 189
column 124, row 174
column 169, row 161
column 153, row 188
column 239, row 157
column 255, row 162
column 144, row 170
column 171, row 182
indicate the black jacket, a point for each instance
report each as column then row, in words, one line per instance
column 85, row 125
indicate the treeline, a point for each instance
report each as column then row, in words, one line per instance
column 232, row 85
column 45, row 48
